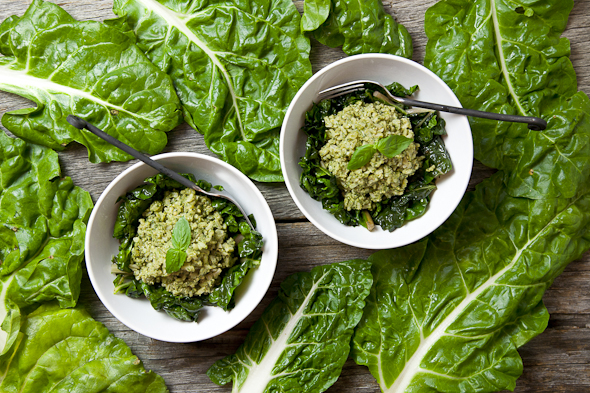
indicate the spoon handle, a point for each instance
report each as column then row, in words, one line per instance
column 534, row 123
column 83, row 124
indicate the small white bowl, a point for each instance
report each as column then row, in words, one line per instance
column 385, row 69
column 138, row 314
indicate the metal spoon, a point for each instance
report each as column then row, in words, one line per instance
column 83, row 124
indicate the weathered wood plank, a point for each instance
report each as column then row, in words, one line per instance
column 556, row 361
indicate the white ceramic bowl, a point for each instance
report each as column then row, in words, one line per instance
column 138, row 314
column 385, row 69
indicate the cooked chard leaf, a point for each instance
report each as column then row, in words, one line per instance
column 182, row 308
column 222, row 295
column 236, row 65
column 65, row 350
column 88, row 69
column 301, row 341
column 399, row 90
column 500, row 60
column 42, row 226
column 252, row 240
column 427, row 127
column 448, row 313
column 356, row 26
column 436, row 154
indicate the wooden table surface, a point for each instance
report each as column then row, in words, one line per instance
column 556, row 361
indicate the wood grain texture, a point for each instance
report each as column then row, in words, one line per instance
column 556, row 361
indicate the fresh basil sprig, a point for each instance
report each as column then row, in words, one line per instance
column 390, row 146
column 181, row 239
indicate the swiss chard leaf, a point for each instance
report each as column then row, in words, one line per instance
column 449, row 312
column 252, row 241
column 356, row 26
column 427, row 127
column 436, row 154
column 301, row 341
column 65, row 350
column 222, row 295
column 498, row 59
column 42, row 227
column 399, row 90
column 84, row 68
column 315, row 12
column 467, row 297
column 182, row 308
column 236, row 66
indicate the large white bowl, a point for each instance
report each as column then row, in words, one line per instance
column 138, row 314
column 385, row 69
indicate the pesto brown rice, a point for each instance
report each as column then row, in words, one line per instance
column 382, row 178
column 210, row 250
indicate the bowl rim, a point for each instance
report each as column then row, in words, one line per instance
column 272, row 253
column 319, row 74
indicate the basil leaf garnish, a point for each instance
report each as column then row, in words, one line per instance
column 393, row 145
column 389, row 146
column 181, row 235
column 181, row 239
column 361, row 156
column 174, row 260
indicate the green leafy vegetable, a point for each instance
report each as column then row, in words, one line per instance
column 181, row 239
column 181, row 234
column 236, row 66
column 182, row 308
column 301, row 341
column 222, row 295
column 42, row 226
column 88, row 69
column 498, row 59
column 252, row 240
column 361, row 157
column 356, row 26
column 393, row 213
column 175, row 258
column 392, row 145
column 315, row 13
column 449, row 312
column 134, row 203
column 62, row 350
